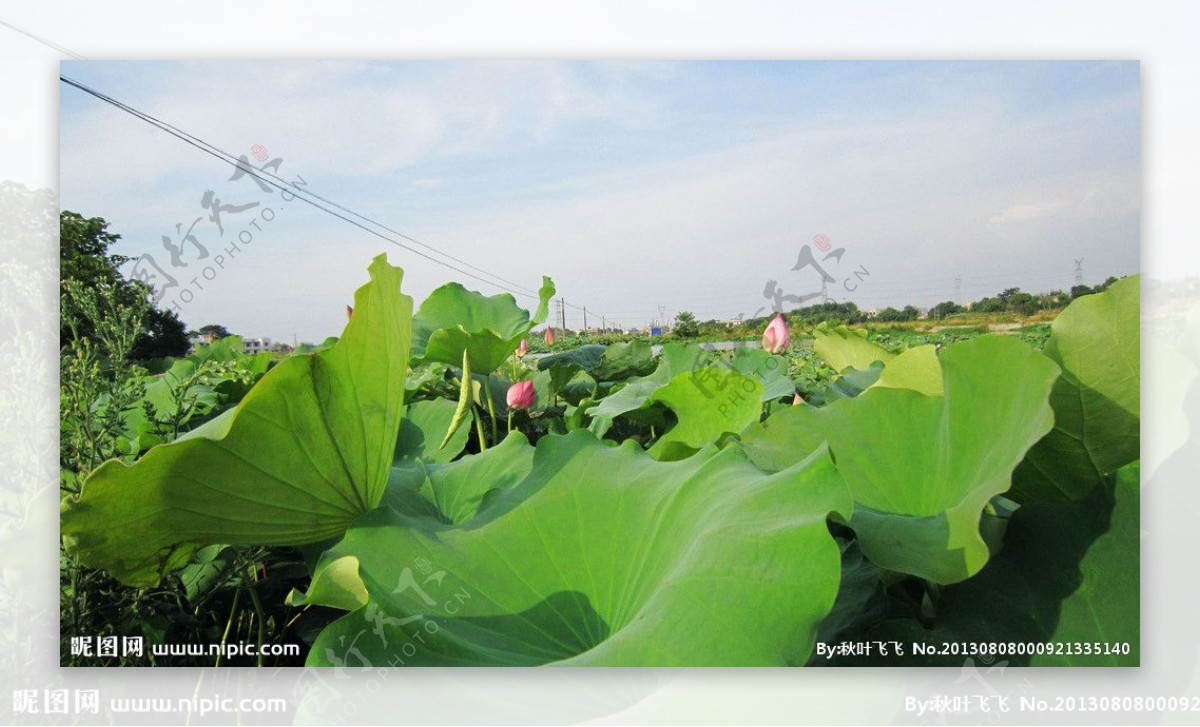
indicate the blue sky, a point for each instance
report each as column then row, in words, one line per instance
column 634, row 185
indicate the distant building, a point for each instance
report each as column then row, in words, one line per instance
column 871, row 312
column 252, row 346
column 199, row 339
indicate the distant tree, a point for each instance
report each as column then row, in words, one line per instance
column 943, row 309
column 989, row 305
column 890, row 314
column 828, row 311
column 164, row 334
column 686, row 325
column 1078, row 290
column 84, row 257
column 215, row 330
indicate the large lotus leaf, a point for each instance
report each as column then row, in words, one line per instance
column 675, row 358
column 453, row 492
column 922, row 468
column 1097, row 425
column 916, row 369
column 769, row 369
column 1068, row 578
column 849, row 384
column 861, row 600
column 583, row 358
column 624, row 359
column 430, row 494
column 229, row 348
column 1105, row 596
column 305, row 452
column 424, row 426
column 602, row 556
column 453, row 319
column 708, row 403
column 577, row 388
column 841, row 347
column 614, row 362
column 564, row 366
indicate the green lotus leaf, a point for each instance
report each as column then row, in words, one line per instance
column 306, row 451
column 847, row 385
column 614, row 362
column 861, row 600
column 601, row 556
column 769, row 369
column 916, row 369
column 841, row 347
column 708, row 403
column 1067, row 577
column 454, row 492
column 565, row 366
column 453, row 319
column 675, row 358
column 922, row 468
column 584, row 358
column 424, row 425
column 624, row 359
column 1097, row 424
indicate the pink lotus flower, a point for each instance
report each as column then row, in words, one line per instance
column 522, row 349
column 776, row 338
column 520, row 395
column 349, row 312
column 549, row 336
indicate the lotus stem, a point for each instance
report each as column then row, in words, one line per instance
column 487, row 383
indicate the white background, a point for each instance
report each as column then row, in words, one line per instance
column 1160, row 34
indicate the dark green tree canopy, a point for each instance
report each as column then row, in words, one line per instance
column 215, row 330
column 686, row 325
column 84, row 256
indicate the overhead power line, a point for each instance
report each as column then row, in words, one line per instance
column 309, row 196
column 48, row 43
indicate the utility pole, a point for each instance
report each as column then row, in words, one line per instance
column 603, row 323
column 1079, row 271
column 585, row 319
column 562, row 312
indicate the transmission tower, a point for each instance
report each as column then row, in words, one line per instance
column 958, row 289
column 1079, row 271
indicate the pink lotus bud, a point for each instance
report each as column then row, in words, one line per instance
column 549, row 336
column 522, row 349
column 776, row 338
column 796, row 400
column 520, row 395
column 349, row 312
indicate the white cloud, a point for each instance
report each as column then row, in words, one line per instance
column 1025, row 212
